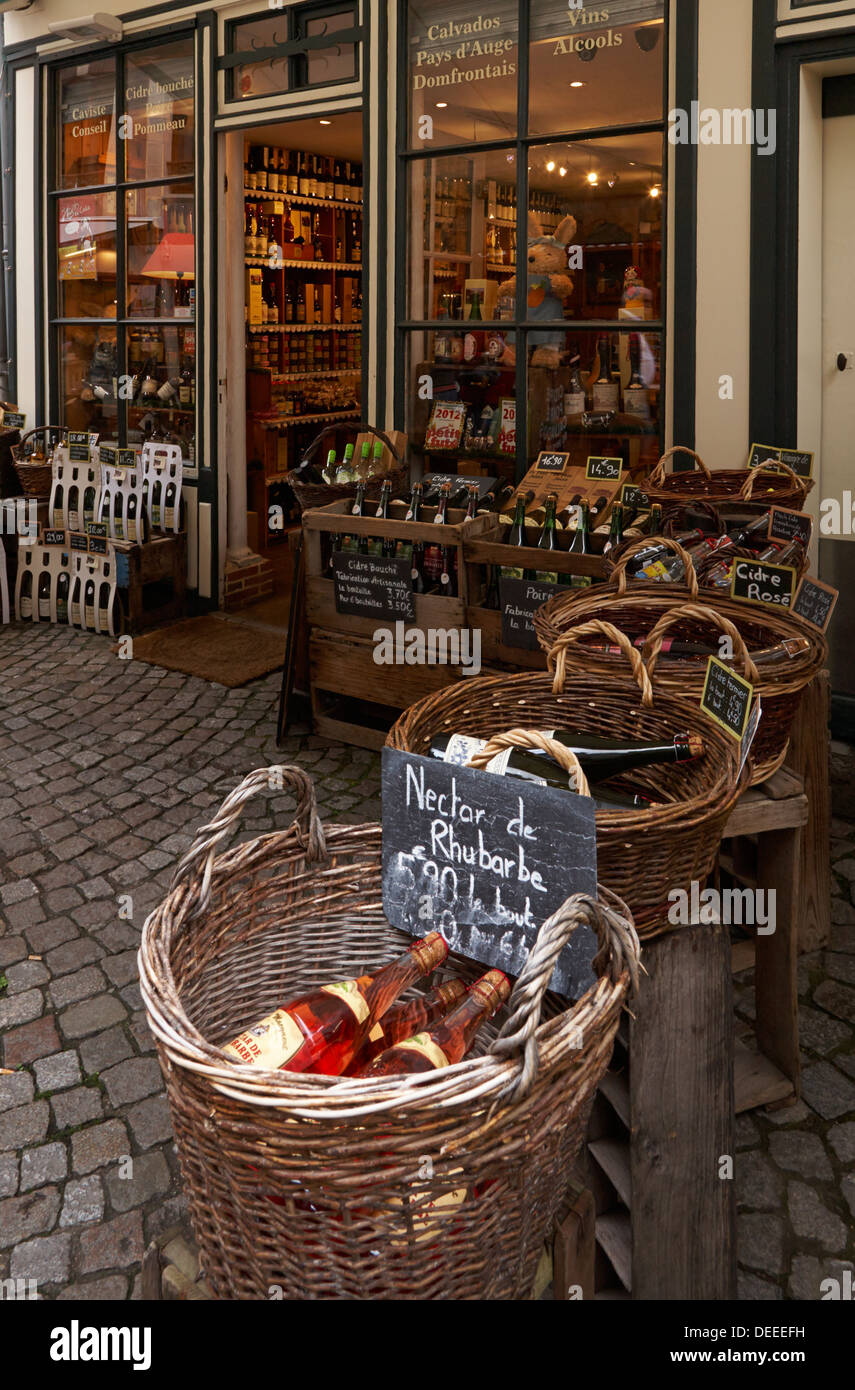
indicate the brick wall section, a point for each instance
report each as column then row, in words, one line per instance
column 248, row 584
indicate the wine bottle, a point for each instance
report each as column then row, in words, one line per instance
column 383, row 545
column 405, row 1019
column 417, row 549
column 670, row 567
column 549, row 538
column 516, row 537
column 606, row 391
column 432, row 562
column 321, row 1031
column 57, row 517
column 364, row 467
column 44, row 592
column 450, row 1038
column 635, row 398
column 89, row 605
column 74, row 608
column 615, row 537
column 62, row 587
column 350, row 542
column 472, row 502
column 656, row 551
column 575, row 399
column 600, row 758
column 580, row 544
column 345, row 472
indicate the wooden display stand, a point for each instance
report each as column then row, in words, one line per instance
column 154, row 578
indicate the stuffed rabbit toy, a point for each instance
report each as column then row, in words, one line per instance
column 549, row 286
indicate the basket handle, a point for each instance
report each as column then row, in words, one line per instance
column 619, row 950
column 772, row 466
column 556, row 657
column 334, row 429
column 657, row 477
column 533, row 738
column 306, row 825
column 652, row 647
column 620, row 567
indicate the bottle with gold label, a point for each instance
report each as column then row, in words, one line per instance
column 405, row 1019
column 321, row 1031
column 450, row 1038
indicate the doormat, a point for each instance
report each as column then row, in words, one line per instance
column 223, row 650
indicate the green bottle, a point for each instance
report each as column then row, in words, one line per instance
column 365, row 460
column 329, row 470
column 615, row 536
column 548, row 539
column 581, row 545
column 349, row 542
column 346, row 472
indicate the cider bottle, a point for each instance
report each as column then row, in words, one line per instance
column 450, row 1038
column 405, row 1019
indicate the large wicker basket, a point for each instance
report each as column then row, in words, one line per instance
column 650, row 612
column 311, row 495
column 642, row 855
column 442, row 1185
column 37, row 478
column 774, row 483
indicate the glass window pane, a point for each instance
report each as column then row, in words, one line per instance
column 467, row 207
column 86, row 255
column 591, row 67
column 609, row 265
column 468, row 422
column 271, row 74
column 88, row 384
column 162, row 371
column 159, row 100
column 462, row 74
column 161, row 252
column 336, row 63
column 86, row 138
column 592, row 392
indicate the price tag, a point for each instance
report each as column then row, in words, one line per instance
column 107, row 454
column 520, row 600
column 815, row 602
column 54, row 538
column 126, row 458
column 79, row 450
column 799, row 460
column 459, row 480
column 13, row 420
column 632, row 496
column 789, row 526
column 77, row 541
column 485, row 860
column 98, row 545
column 727, row 698
column 755, row 581
column 96, row 528
column 603, row 468
column 373, row 586
column 551, row 463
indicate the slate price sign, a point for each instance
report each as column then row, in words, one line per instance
column 754, row 581
column 799, row 460
column 107, row 453
column 788, row 526
column 78, row 446
column 552, row 463
column 459, row 480
column 727, row 698
column 485, row 860
column 373, row 586
column 520, row 600
column 77, row 541
column 599, row 467
column 13, row 420
column 98, row 545
column 126, row 458
column 632, row 496
column 53, row 538
column 815, row 602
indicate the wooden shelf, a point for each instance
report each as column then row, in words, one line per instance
column 613, row 1158
column 298, row 201
column 614, row 1237
column 264, row 262
column 303, row 327
column 284, row 421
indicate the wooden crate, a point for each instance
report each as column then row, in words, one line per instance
column 154, row 578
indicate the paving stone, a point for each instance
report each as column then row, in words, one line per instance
column 91, row 1016
column 801, row 1153
column 46, row 1259
column 26, row 1124
column 819, row 1032
column 72, row 956
column 29, row 1215
column 114, row 1244
column 150, row 1122
column 827, row 1091
column 788, row 1115
column 23, row 916
column 842, row 967
column 26, row 975
column 77, row 1107
column 842, row 1140
column 107, row 1290
column 750, row 1289
column 150, row 1177
column 47, row 935
column 132, row 1080
column 8, row 1175
column 758, row 1186
column 83, row 1200
column 17, row 1089
column 806, row 1274
column 122, row 969
column 837, row 998
column 12, row 948
column 760, row 1242
column 99, row 1145
column 55, row 1073
column 104, row 1050
column 48, row 1163
column 20, row 1008
column 811, row 1219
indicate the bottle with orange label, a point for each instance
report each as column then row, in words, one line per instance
column 450, row 1038
column 405, row 1019
column 321, row 1031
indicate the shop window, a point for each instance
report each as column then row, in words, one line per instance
column 289, row 50
column 122, row 298
column 461, row 74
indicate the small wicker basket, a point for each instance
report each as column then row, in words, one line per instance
column 311, row 495
column 37, row 477
column 783, row 487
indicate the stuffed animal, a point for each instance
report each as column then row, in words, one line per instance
column 549, row 286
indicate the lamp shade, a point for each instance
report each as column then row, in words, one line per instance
column 174, row 257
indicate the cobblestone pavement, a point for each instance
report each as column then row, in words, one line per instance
column 107, row 768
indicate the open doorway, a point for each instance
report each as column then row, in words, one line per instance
column 303, row 192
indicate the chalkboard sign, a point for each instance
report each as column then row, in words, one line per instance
column 632, row 496
column 727, row 698
column 599, row 467
column 373, row 586
column 485, row 860
column 13, row 420
column 799, row 460
column 458, row 480
column 551, row 463
column 815, row 602
column 96, row 528
column 788, row 526
column 107, row 453
column 519, row 600
column 78, row 446
column 78, row 542
column 126, row 458
column 755, row 581
column 53, row 538
column 98, row 545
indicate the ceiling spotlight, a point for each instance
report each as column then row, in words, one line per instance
column 577, row 84
column 647, row 37
column 655, row 191
column 612, row 180
column 510, row 159
column 323, row 122
column 562, row 171
column 593, row 178
column 550, row 166
column 441, row 104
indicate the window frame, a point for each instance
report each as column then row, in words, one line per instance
column 407, row 156
column 296, row 18
column 119, row 188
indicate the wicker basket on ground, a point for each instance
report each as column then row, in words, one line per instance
column 774, row 484
column 442, row 1185
column 641, row 854
column 311, row 495
column 778, row 652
